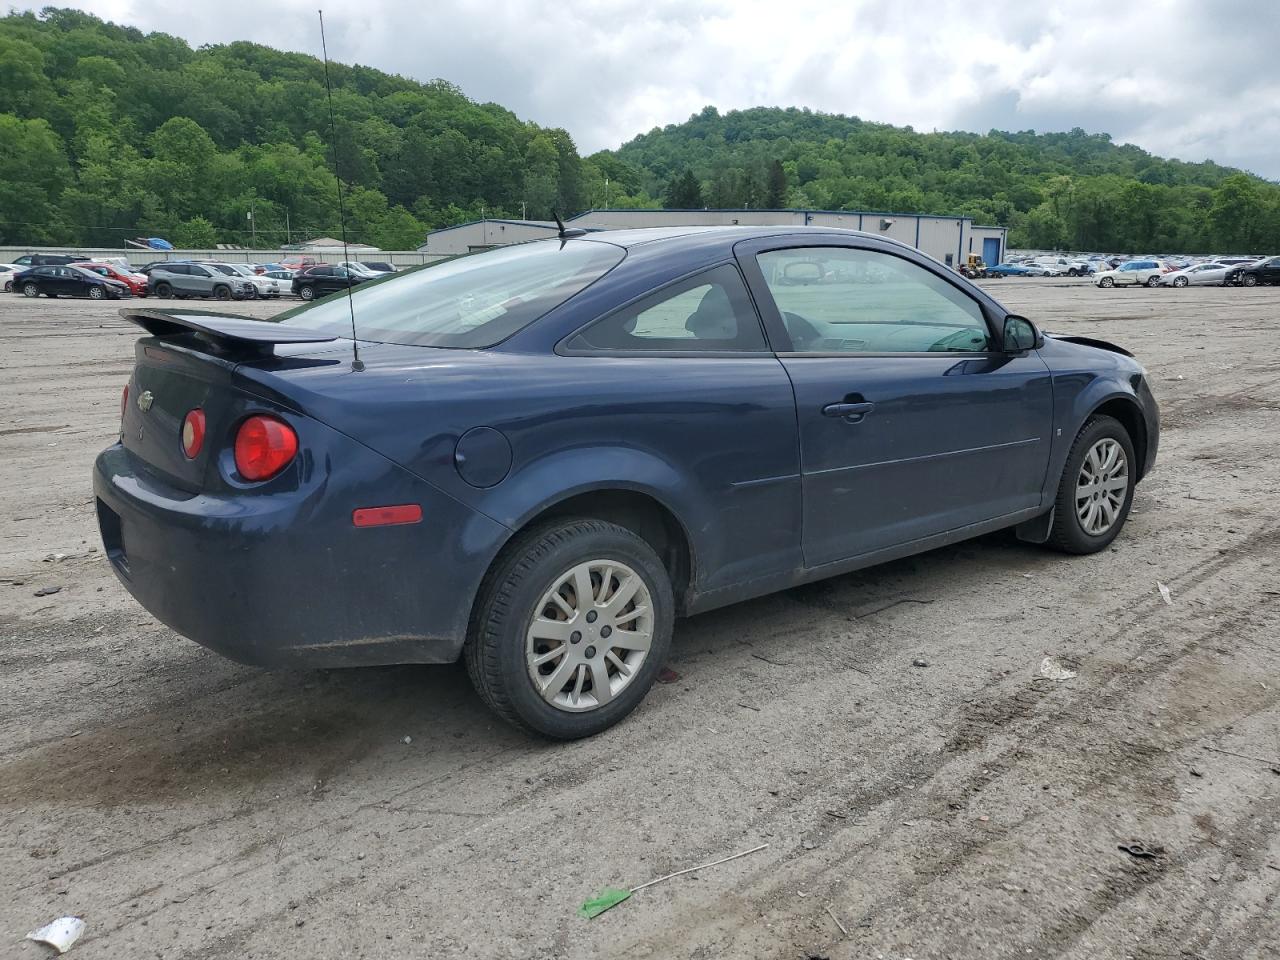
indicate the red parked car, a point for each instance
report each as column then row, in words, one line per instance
column 136, row 282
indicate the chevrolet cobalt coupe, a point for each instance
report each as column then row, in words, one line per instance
column 535, row 458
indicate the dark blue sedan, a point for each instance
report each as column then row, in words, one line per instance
column 543, row 454
column 1008, row 270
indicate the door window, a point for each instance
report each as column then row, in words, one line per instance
column 708, row 312
column 842, row 300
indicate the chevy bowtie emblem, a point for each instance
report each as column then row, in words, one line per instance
column 145, row 399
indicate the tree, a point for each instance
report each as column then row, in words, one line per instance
column 684, row 193
column 775, row 195
column 195, row 234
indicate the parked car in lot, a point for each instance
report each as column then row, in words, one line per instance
column 48, row 259
column 284, row 278
column 326, row 278
column 136, row 282
column 182, row 279
column 546, row 454
column 1008, row 270
column 1202, row 274
column 260, row 286
column 68, row 281
column 7, row 273
column 1134, row 273
column 1262, row 271
column 378, row 266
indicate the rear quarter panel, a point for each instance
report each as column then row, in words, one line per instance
column 711, row 439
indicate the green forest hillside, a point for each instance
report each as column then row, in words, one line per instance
column 1052, row 190
column 108, row 133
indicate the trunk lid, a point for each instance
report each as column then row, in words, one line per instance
column 190, row 363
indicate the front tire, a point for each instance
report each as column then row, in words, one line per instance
column 1106, row 282
column 96, row 293
column 222, row 292
column 307, row 292
column 30, row 290
column 571, row 627
column 1180, row 282
column 1096, row 489
column 164, row 289
column 1249, row 280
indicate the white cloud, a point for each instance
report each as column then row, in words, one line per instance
column 1175, row 79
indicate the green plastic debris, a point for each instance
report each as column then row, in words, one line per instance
column 607, row 900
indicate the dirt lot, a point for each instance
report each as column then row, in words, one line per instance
column 189, row 807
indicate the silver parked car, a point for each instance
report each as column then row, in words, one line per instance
column 197, row 280
column 1201, row 274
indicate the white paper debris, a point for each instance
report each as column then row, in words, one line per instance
column 1165, row 595
column 1052, row 669
column 60, row 934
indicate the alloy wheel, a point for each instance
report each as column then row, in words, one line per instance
column 95, row 293
column 1102, row 486
column 589, row 635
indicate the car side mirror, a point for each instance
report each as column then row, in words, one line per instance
column 1020, row 335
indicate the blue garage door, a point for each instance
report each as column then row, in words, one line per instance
column 990, row 251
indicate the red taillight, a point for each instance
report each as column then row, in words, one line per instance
column 386, row 516
column 264, row 447
column 124, row 401
column 193, row 433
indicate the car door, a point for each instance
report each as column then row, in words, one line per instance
column 65, row 283
column 199, row 280
column 911, row 422
column 1269, row 272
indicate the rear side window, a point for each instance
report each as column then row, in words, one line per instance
column 469, row 302
column 710, row 312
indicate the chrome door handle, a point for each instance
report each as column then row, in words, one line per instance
column 853, row 412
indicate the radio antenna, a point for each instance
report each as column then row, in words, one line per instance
column 356, row 363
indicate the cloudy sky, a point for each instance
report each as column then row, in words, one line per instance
column 1173, row 77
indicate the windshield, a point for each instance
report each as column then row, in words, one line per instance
column 470, row 302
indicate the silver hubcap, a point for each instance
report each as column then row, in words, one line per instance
column 589, row 636
column 1102, row 486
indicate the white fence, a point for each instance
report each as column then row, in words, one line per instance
column 399, row 258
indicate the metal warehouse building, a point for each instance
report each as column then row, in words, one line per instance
column 948, row 239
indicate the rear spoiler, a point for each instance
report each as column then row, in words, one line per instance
column 225, row 330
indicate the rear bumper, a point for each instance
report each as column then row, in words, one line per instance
column 285, row 579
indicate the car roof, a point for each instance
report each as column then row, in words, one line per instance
column 644, row 235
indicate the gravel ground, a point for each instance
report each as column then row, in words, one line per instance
column 189, row 807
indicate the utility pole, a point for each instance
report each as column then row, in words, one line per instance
column 288, row 234
column 606, row 193
column 253, row 225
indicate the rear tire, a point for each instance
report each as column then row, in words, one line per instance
column 30, row 290
column 164, row 289
column 505, row 651
column 1072, row 530
column 1153, row 280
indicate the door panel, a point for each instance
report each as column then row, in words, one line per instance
column 948, row 442
column 911, row 422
